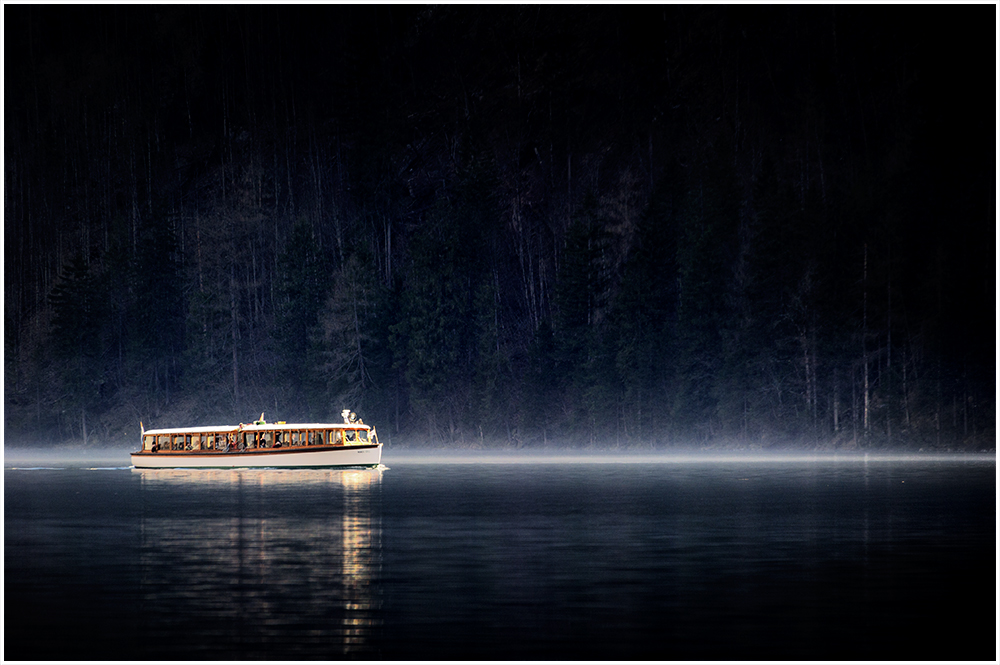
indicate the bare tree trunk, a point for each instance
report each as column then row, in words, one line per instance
column 906, row 395
column 888, row 360
column 937, row 404
column 235, row 337
column 854, row 408
column 864, row 342
column 965, row 408
column 836, row 401
column 388, row 250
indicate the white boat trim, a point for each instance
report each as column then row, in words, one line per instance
column 326, row 456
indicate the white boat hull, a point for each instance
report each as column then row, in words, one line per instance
column 364, row 455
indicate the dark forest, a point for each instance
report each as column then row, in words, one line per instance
column 748, row 227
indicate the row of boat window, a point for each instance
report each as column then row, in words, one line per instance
column 253, row 440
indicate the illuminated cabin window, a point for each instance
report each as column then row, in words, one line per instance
column 148, row 442
column 356, row 436
column 336, row 438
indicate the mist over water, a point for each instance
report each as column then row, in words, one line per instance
column 555, row 554
column 24, row 456
column 118, row 456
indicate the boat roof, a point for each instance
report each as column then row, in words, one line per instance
column 206, row 429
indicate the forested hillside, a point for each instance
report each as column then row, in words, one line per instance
column 508, row 226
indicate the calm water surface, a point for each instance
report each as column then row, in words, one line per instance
column 504, row 559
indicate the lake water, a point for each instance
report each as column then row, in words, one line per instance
column 505, row 557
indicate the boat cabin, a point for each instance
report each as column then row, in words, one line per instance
column 257, row 437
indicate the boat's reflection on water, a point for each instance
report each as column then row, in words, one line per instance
column 260, row 563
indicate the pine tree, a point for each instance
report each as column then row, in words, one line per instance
column 343, row 346
column 644, row 316
column 158, row 308
column 705, row 252
column 304, row 282
column 77, row 322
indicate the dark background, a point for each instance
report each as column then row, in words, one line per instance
column 735, row 226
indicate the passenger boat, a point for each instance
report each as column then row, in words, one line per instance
column 261, row 444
